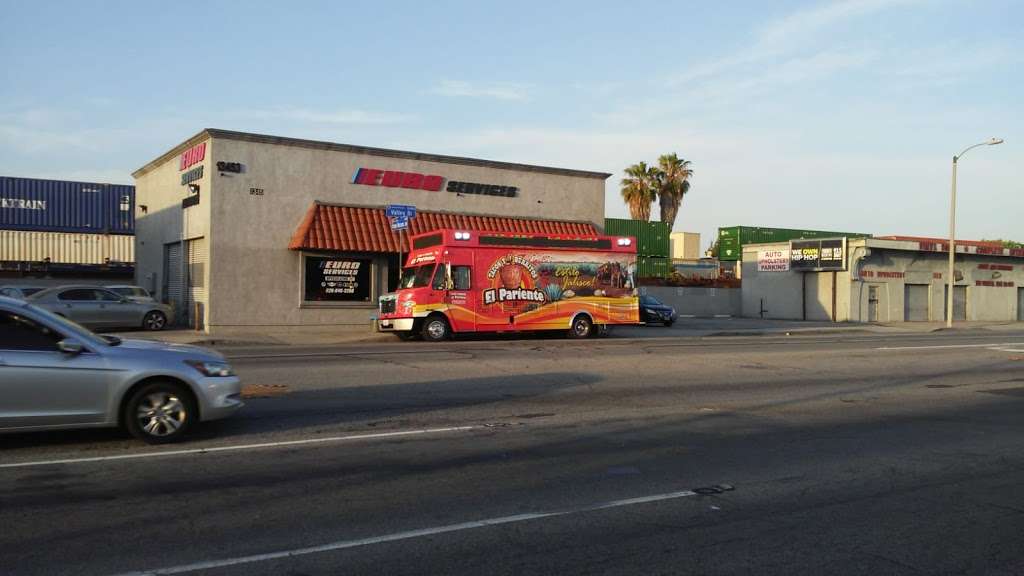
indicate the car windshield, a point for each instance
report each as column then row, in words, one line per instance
column 416, row 276
column 69, row 327
column 30, row 291
column 650, row 301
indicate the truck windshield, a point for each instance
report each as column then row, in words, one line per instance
column 417, row 276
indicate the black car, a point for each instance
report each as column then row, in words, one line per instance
column 652, row 310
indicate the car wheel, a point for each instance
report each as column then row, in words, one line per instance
column 160, row 413
column 154, row 321
column 669, row 323
column 581, row 328
column 436, row 329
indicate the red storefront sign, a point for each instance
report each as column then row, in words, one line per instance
column 192, row 156
column 395, row 179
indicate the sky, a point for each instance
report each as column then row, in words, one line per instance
column 836, row 115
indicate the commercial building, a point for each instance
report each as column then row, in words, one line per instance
column 890, row 279
column 685, row 246
column 59, row 232
column 252, row 230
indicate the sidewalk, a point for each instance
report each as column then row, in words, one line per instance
column 683, row 328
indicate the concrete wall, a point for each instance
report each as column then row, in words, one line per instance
column 254, row 279
column 775, row 295
column 694, row 301
column 165, row 222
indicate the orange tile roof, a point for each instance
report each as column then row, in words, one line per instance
column 353, row 229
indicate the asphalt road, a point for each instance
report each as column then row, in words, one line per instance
column 829, row 454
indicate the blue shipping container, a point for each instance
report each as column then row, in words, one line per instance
column 59, row 206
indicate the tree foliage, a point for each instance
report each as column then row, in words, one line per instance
column 667, row 183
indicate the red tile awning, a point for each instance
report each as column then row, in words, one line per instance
column 352, row 229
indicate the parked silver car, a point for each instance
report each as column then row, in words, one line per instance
column 97, row 307
column 56, row 374
column 135, row 293
column 20, row 292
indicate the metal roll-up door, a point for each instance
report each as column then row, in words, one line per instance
column 1020, row 304
column 197, row 258
column 915, row 302
column 959, row 303
column 173, row 288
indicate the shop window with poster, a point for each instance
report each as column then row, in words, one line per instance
column 338, row 279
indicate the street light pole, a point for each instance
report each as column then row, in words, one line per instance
column 952, row 229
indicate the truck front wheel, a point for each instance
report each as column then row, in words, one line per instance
column 436, row 329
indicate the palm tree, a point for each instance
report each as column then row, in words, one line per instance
column 638, row 190
column 672, row 182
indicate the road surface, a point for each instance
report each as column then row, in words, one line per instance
column 821, row 454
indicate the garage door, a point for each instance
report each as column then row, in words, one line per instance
column 1020, row 304
column 915, row 302
column 196, row 294
column 173, row 287
column 959, row 303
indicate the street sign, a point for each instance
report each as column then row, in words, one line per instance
column 400, row 211
column 399, row 223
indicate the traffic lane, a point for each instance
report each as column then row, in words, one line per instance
column 340, row 394
column 243, row 504
column 511, row 342
column 931, row 530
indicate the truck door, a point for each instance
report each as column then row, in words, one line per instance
column 459, row 297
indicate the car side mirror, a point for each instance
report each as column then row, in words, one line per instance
column 123, row 300
column 70, row 347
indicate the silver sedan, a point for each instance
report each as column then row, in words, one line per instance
column 56, row 374
column 97, row 307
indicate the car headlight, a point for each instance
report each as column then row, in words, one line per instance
column 207, row 368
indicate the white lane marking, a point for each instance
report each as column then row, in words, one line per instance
column 343, row 544
column 242, row 447
column 948, row 346
column 1014, row 350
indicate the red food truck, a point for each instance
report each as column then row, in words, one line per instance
column 478, row 281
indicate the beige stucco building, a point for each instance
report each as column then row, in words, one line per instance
column 241, row 229
column 889, row 279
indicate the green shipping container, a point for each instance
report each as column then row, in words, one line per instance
column 652, row 267
column 652, row 238
column 731, row 240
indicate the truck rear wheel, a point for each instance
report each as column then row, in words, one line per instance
column 581, row 327
column 436, row 329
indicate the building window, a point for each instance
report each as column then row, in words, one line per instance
column 338, row 279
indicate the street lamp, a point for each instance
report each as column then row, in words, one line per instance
column 952, row 228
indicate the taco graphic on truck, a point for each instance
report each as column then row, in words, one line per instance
column 477, row 281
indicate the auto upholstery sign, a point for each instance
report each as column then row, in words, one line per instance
column 773, row 260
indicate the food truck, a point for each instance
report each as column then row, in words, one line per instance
column 477, row 281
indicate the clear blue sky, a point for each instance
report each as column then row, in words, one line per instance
column 837, row 115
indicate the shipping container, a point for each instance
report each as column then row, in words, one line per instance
column 65, row 248
column 732, row 239
column 653, row 267
column 652, row 238
column 60, row 206
column 707, row 269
